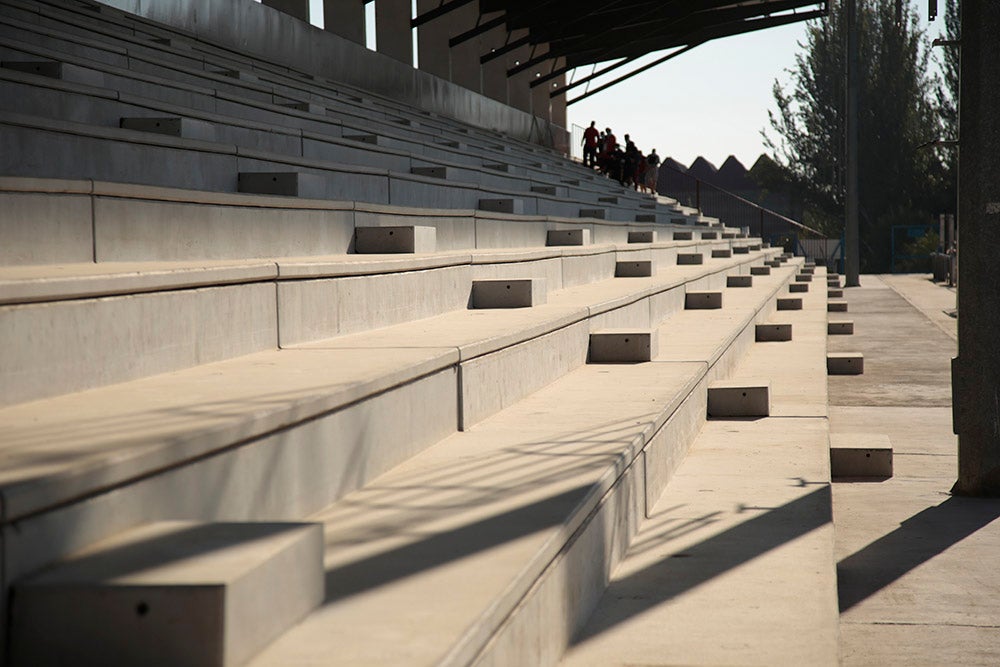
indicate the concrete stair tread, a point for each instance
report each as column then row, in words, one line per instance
column 496, row 502
column 48, row 282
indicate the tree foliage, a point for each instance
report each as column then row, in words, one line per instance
column 901, row 180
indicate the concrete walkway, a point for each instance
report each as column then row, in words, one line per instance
column 918, row 582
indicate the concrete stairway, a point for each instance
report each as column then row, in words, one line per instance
column 326, row 427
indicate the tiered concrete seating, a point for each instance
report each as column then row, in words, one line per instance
column 478, row 402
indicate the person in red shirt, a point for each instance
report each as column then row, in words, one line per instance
column 590, row 145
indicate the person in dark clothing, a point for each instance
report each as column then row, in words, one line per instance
column 590, row 136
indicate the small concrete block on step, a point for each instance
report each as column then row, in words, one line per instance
column 754, row 246
column 504, row 205
column 599, row 213
column 238, row 74
column 845, row 363
column 773, row 333
column 645, row 217
column 739, row 281
column 430, row 172
column 703, row 300
column 840, row 328
column 560, row 237
column 803, row 278
column 171, row 593
column 836, row 307
column 187, row 128
column 798, row 287
column 287, row 184
column 721, row 253
column 729, row 235
column 544, row 189
column 685, row 258
column 497, row 167
column 363, row 138
column 631, row 269
column 808, row 270
column 642, row 237
column 393, row 240
column 57, row 70
column 741, row 250
column 308, row 107
column 760, row 270
column 508, row 293
column 608, row 200
column 710, row 236
column 773, row 263
column 860, row 455
column 790, row 303
column 739, row 398
column 614, row 346
column 683, row 236
column 835, row 293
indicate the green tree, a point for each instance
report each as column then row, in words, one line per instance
column 900, row 181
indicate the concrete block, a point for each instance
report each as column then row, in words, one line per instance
column 760, row 270
column 567, row 237
column 845, row 363
column 835, row 293
column 729, row 235
column 836, row 306
column 171, row 593
column 497, row 167
column 599, row 213
column 515, row 206
column 391, row 240
column 741, row 250
column 608, row 200
column 642, row 237
column 640, row 269
column 650, row 206
column 363, row 138
column 507, row 293
column 685, row 258
column 238, row 74
column 175, row 127
column 645, row 217
column 739, row 281
column 790, row 303
column 768, row 333
column 544, row 189
column 575, row 182
column 773, row 263
column 430, row 172
column 287, row 184
column 57, row 70
column 840, row 328
column 798, row 287
column 308, row 107
column 702, row 300
column 860, row 455
column 786, row 255
column 736, row 398
column 683, row 236
column 803, row 278
column 721, row 253
column 808, row 269
column 754, row 246
column 710, row 236
column 617, row 347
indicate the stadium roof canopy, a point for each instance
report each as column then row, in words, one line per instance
column 585, row 32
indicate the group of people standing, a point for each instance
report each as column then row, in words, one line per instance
column 626, row 165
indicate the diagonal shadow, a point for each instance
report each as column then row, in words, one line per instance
column 445, row 547
column 680, row 572
column 917, row 540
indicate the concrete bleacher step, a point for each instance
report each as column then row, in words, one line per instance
column 860, row 455
column 741, row 540
column 170, row 593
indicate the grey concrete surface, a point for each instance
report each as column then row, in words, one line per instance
column 916, row 576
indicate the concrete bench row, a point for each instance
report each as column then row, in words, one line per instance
column 509, row 485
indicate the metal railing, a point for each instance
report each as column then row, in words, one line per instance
column 737, row 211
